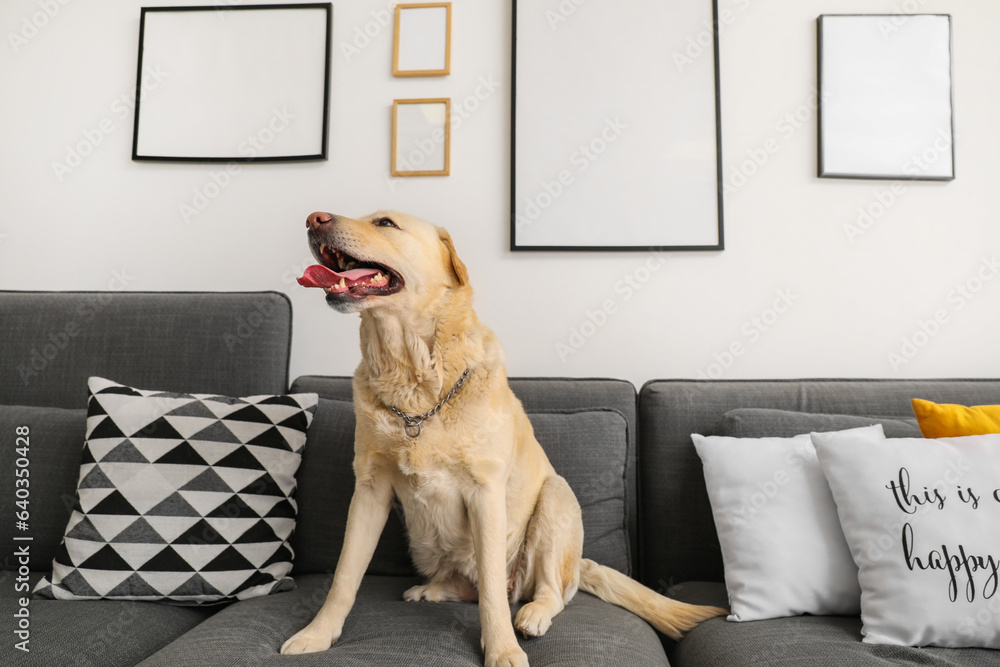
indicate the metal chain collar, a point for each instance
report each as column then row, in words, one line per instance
column 412, row 424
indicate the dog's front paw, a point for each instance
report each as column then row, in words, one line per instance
column 307, row 640
column 509, row 657
column 533, row 619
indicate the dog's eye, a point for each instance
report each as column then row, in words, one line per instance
column 385, row 222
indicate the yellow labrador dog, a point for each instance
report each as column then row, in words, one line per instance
column 488, row 518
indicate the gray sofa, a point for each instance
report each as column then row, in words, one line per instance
column 629, row 458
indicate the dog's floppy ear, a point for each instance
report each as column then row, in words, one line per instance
column 457, row 266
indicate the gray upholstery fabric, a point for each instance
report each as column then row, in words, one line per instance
column 802, row 641
column 587, row 447
column 55, row 445
column 100, row 633
column 539, row 395
column 679, row 539
column 762, row 423
column 234, row 344
column 384, row 631
column 325, row 486
column 333, row 387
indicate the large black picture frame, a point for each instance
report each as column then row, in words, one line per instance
column 243, row 83
column 572, row 75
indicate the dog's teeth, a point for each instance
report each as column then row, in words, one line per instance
column 342, row 284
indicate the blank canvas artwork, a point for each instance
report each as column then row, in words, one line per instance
column 615, row 134
column 886, row 97
column 420, row 137
column 239, row 83
column 423, row 43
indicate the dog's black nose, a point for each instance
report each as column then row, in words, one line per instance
column 318, row 219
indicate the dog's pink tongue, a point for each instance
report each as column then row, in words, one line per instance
column 318, row 275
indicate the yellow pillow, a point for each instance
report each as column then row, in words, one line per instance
column 945, row 420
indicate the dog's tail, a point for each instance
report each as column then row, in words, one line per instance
column 670, row 617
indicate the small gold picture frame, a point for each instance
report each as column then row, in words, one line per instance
column 421, row 137
column 422, row 41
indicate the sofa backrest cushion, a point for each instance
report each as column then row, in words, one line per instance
column 233, row 344
column 54, row 443
column 542, row 395
column 587, row 447
column 679, row 542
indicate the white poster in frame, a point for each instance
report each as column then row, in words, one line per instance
column 615, row 127
column 421, row 137
column 886, row 99
column 243, row 83
column 422, row 39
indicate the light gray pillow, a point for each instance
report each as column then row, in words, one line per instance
column 923, row 523
column 782, row 546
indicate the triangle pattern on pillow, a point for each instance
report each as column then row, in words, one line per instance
column 182, row 497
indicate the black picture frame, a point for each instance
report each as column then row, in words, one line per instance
column 161, row 136
column 658, row 212
column 911, row 143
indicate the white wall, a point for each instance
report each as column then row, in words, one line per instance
column 852, row 304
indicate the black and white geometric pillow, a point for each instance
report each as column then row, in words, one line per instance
column 183, row 498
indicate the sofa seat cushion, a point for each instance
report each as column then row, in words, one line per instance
column 382, row 630
column 806, row 641
column 108, row 633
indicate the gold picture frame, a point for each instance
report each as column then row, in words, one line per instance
column 421, row 137
column 422, row 39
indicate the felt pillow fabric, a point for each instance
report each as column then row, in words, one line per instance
column 922, row 518
column 782, row 546
column 943, row 420
column 183, row 498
